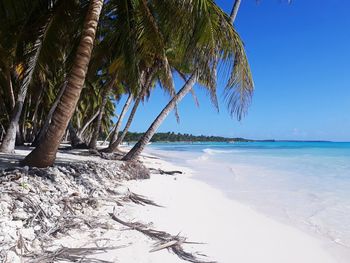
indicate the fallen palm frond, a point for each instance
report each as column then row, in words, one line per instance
column 73, row 255
column 140, row 200
column 165, row 240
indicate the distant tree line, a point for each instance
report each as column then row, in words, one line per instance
column 179, row 137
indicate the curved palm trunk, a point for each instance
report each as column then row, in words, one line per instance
column 86, row 125
column 146, row 81
column 234, row 11
column 140, row 145
column 8, row 144
column 114, row 146
column 45, row 154
column 97, row 127
column 120, row 119
column 46, row 124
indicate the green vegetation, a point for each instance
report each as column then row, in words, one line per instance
column 65, row 65
column 179, row 137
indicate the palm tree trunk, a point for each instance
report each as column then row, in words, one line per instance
column 145, row 83
column 234, row 11
column 114, row 146
column 120, row 119
column 86, row 125
column 45, row 154
column 46, row 124
column 8, row 144
column 98, row 122
column 109, row 134
column 140, row 145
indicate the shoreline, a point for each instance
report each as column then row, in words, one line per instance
column 233, row 231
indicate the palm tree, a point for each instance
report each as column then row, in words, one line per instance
column 48, row 118
column 105, row 94
column 218, row 40
column 32, row 52
column 140, row 145
column 32, row 42
column 234, row 11
column 116, row 129
column 145, row 85
column 44, row 155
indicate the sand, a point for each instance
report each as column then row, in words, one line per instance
column 231, row 231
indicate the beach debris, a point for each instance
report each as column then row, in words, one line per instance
column 137, row 169
column 37, row 206
column 160, row 171
column 73, row 255
column 165, row 240
column 140, row 200
column 161, row 245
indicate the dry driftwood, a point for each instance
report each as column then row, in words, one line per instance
column 165, row 240
column 160, row 171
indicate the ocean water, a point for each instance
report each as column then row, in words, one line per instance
column 306, row 184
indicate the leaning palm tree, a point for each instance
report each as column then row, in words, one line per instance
column 105, row 95
column 32, row 42
column 217, row 39
column 40, row 22
column 145, row 86
column 151, row 58
column 115, row 132
column 45, row 154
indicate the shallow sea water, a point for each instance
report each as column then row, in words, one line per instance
column 306, row 184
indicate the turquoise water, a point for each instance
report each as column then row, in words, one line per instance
column 306, row 184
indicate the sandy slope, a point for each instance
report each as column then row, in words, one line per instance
column 232, row 231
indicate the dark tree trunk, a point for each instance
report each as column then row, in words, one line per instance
column 46, row 124
column 140, row 145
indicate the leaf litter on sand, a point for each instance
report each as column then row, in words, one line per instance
column 164, row 240
column 40, row 206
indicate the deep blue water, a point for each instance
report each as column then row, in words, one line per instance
column 304, row 183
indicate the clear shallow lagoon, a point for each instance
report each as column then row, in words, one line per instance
column 303, row 183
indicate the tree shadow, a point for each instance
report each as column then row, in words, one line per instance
column 10, row 160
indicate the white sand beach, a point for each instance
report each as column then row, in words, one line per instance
column 232, row 232
column 229, row 230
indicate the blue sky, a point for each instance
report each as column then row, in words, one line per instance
column 300, row 59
